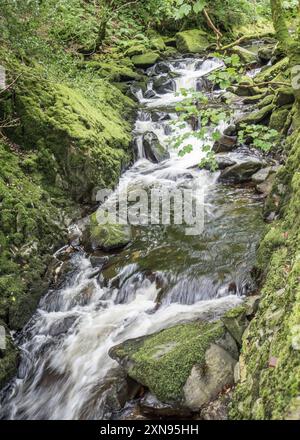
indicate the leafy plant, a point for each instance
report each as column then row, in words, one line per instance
column 229, row 74
column 259, row 136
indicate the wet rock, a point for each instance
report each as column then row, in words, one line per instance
column 225, row 144
column 62, row 326
column 98, row 261
column 152, row 407
column 9, row 355
column 231, row 130
column 145, row 60
column 251, row 305
column 284, row 96
column 182, row 374
column 242, row 171
column 149, row 94
column 223, row 162
column 246, row 87
column 204, row 84
column 265, row 53
column 106, row 236
column 161, row 68
column 164, row 85
column 192, row 41
column 154, row 151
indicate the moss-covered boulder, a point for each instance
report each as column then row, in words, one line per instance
column 284, row 96
column 192, row 41
column 245, row 55
column 186, row 365
column 108, row 235
column 146, row 59
column 82, row 140
column 272, row 72
column 260, row 116
column 279, row 118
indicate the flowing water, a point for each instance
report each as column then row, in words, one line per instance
column 162, row 278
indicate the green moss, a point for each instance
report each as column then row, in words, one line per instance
column 257, row 116
column 83, row 141
column 31, row 227
column 279, row 118
column 192, row 41
column 109, row 235
column 163, row 361
column 270, row 390
column 146, row 59
column 272, row 72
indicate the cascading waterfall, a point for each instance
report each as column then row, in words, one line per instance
column 65, row 371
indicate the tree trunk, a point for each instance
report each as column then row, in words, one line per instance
column 279, row 22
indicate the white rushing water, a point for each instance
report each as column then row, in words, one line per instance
column 65, row 372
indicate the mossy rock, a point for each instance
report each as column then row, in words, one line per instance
column 145, row 60
column 108, row 236
column 279, row 118
column 284, row 96
column 192, row 41
column 270, row 383
column 86, row 140
column 164, row 361
column 245, row 55
column 270, row 73
column 257, row 117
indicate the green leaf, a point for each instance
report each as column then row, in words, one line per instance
column 199, row 6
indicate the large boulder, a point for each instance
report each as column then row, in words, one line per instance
column 245, row 55
column 192, row 41
column 242, row 171
column 187, row 365
column 145, row 60
column 153, row 149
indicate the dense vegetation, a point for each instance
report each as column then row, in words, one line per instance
column 65, row 129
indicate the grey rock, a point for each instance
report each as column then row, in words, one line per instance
column 154, row 151
column 204, row 386
column 225, row 144
column 242, row 171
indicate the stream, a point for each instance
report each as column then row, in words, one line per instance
column 163, row 277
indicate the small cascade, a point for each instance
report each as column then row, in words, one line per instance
column 163, row 278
